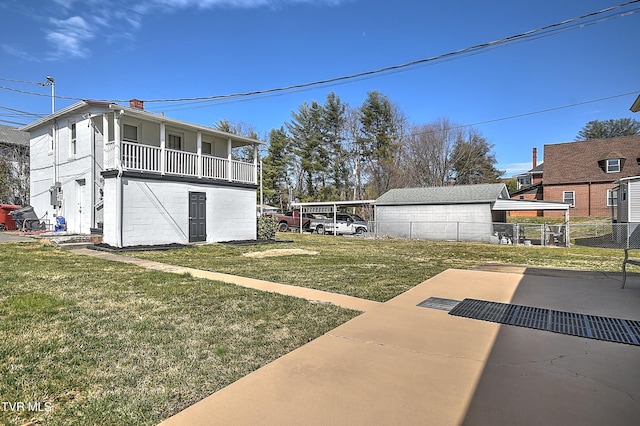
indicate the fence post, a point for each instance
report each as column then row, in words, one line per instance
column 411, row 230
column 458, row 231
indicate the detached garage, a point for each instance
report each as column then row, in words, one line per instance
column 455, row 213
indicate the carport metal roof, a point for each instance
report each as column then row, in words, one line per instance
column 508, row 204
column 523, row 205
column 329, row 207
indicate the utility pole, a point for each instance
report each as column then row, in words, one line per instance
column 51, row 82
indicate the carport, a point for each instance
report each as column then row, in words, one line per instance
column 329, row 208
column 508, row 204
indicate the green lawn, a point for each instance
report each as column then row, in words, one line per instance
column 104, row 343
column 375, row 269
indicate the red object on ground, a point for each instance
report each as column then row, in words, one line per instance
column 6, row 220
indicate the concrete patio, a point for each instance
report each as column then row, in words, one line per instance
column 398, row 363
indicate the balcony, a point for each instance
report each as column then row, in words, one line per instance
column 146, row 158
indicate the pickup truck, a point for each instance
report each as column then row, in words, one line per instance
column 291, row 220
column 346, row 224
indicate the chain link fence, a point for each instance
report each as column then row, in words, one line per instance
column 497, row 233
column 603, row 234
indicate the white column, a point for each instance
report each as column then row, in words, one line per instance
column 199, row 150
column 255, row 164
column 117, row 138
column 163, row 153
column 105, row 136
column 229, row 164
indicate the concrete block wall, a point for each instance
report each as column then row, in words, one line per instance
column 157, row 212
column 436, row 222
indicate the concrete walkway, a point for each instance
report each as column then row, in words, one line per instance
column 403, row 364
column 348, row 302
column 13, row 237
column 399, row 363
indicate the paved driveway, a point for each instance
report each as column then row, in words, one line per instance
column 9, row 237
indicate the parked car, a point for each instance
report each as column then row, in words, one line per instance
column 346, row 224
column 291, row 219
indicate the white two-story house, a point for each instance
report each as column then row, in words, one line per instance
column 141, row 178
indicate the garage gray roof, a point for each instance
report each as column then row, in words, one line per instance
column 457, row 194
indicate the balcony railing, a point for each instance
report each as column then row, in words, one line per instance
column 148, row 158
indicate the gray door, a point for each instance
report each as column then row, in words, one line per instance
column 197, row 216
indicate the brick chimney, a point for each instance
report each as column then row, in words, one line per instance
column 535, row 157
column 136, row 103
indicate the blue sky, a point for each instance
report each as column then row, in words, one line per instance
column 174, row 49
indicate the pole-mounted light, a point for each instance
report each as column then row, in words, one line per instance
column 51, row 82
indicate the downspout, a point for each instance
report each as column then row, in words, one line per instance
column 93, row 173
column 119, row 187
column 589, row 199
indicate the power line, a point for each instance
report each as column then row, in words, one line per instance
column 544, row 31
column 510, row 39
column 511, row 117
column 21, row 81
column 18, row 112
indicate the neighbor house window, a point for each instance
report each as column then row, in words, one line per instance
column 72, row 139
column 174, row 141
column 569, row 197
column 613, row 165
column 524, row 181
column 612, row 197
column 51, row 139
column 129, row 133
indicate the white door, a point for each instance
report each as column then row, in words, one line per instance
column 81, row 213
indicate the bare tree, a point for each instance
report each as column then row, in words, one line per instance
column 442, row 153
column 14, row 174
column 427, row 153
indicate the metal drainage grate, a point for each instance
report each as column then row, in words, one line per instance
column 439, row 303
column 589, row 326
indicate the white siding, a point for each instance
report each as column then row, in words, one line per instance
column 633, row 198
column 157, row 212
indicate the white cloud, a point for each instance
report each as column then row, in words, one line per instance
column 241, row 4
column 13, row 51
column 514, row 168
column 69, row 37
column 67, row 4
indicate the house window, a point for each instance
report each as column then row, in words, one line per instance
column 72, row 139
column 569, row 197
column 51, row 139
column 174, row 141
column 206, row 148
column 613, row 165
column 129, row 133
column 612, row 197
column 524, row 181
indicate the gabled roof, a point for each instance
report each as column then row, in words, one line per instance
column 537, row 169
column 456, row 194
column 83, row 105
column 11, row 135
column 582, row 162
column 528, row 189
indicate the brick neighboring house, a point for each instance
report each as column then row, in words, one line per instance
column 584, row 173
column 529, row 187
